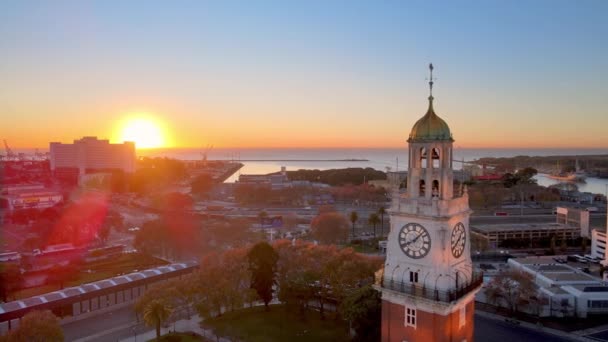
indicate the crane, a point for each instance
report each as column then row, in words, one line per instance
column 206, row 152
column 10, row 155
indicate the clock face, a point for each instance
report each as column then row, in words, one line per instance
column 459, row 238
column 414, row 240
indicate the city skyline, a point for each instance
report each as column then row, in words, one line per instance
column 237, row 74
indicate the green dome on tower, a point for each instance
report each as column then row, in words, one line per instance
column 430, row 127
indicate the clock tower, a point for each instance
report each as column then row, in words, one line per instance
column 428, row 285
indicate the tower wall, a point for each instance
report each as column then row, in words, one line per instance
column 429, row 326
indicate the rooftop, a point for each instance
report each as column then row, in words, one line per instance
column 514, row 227
column 91, row 287
column 547, row 267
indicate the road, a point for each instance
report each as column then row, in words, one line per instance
column 111, row 326
column 122, row 323
column 488, row 329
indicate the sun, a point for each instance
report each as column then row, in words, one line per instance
column 145, row 132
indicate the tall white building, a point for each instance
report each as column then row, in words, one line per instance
column 90, row 154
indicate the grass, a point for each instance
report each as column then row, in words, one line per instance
column 278, row 324
column 181, row 337
column 123, row 264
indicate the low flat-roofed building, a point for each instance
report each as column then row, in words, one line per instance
column 598, row 245
column 570, row 291
column 29, row 196
column 574, row 217
column 102, row 296
column 497, row 233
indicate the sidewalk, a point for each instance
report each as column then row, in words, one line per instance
column 183, row 325
column 590, row 331
column 559, row 333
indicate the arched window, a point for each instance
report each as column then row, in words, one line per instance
column 436, row 159
column 423, row 158
column 422, row 188
column 435, row 189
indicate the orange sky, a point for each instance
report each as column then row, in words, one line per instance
column 308, row 74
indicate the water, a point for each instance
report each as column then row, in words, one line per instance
column 379, row 159
column 592, row 185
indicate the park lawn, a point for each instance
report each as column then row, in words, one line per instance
column 278, row 324
column 181, row 337
column 123, row 264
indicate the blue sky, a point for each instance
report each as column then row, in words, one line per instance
column 308, row 73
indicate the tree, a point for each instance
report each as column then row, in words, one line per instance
column 526, row 175
column 363, row 309
column 155, row 313
column 104, row 233
column 60, row 274
column 38, row 326
column 10, row 280
column 381, row 212
column 262, row 216
column 202, row 184
column 373, row 220
column 330, row 228
column 353, row 219
column 263, row 267
column 552, row 245
column 584, row 245
column 563, row 246
column 513, row 287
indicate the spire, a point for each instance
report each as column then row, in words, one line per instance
column 431, row 82
column 431, row 79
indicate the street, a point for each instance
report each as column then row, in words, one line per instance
column 121, row 324
column 488, row 329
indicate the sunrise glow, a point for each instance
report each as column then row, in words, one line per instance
column 145, row 132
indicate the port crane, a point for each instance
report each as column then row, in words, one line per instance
column 10, row 155
column 206, row 152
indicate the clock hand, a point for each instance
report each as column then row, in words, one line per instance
column 457, row 241
column 412, row 241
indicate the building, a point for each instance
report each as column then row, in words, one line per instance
column 428, row 285
column 598, row 245
column 91, row 155
column 275, row 180
column 569, row 291
column 575, row 218
column 496, row 234
column 79, row 302
column 15, row 197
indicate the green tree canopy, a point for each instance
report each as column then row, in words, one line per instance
column 373, row 219
column 353, row 219
column 38, row 326
column 363, row 309
column 263, row 267
column 155, row 313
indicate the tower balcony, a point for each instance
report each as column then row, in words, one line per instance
column 429, row 207
column 415, row 290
